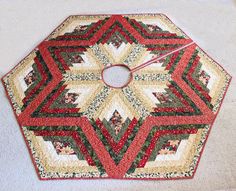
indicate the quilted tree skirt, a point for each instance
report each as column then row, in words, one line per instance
column 77, row 125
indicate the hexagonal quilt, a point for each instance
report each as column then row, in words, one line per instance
column 75, row 126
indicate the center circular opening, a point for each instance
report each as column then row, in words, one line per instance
column 116, row 76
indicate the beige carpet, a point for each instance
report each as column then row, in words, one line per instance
column 212, row 24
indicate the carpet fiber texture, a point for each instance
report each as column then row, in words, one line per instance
column 76, row 126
